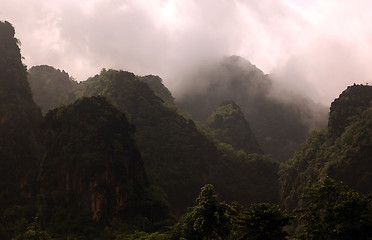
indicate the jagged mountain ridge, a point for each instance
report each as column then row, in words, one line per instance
column 351, row 103
column 171, row 146
column 92, row 168
column 50, row 94
column 228, row 125
column 156, row 84
column 279, row 125
column 83, row 137
column 83, row 157
column 20, row 147
column 342, row 151
column 177, row 156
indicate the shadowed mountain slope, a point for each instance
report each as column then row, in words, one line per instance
column 280, row 124
column 342, row 151
column 20, row 147
column 228, row 125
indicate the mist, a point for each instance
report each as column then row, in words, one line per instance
column 315, row 48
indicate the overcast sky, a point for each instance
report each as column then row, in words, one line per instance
column 315, row 47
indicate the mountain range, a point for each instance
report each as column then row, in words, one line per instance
column 118, row 154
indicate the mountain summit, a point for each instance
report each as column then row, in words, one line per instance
column 279, row 124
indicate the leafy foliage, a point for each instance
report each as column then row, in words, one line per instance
column 156, row 85
column 333, row 212
column 352, row 102
column 345, row 156
column 247, row 178
column 51, row 87
column 228, row 125
column 211, row 219
column 34, row 233
column 262, row 222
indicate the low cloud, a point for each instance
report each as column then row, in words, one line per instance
column 315, row 48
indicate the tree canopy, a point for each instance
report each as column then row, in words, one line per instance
column 332, row 211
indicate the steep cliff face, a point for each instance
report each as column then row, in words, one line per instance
column 19, row 116
column 350, row 104
column 342, row 151
column 91, row 165
column 176, row 155
column 20, row 119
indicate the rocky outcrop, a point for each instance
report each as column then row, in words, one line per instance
column 91, row 162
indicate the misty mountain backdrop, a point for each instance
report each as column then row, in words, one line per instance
column 118, row 157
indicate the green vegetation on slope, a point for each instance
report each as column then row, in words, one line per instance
column 156, row 84
column 332, row 211
column 351, row 103
column 51, row 87
column 280, row 124
column 211, row 219
column 92, row 170
column 92, row 182
column 20, row 119
column 228, row 125
column 343, row 151
column 176, row 156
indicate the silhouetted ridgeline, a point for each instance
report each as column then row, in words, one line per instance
column 228, row 125
column 176, row 155
column 280, row 126
column 342, row 151
column 92, row 169
column 51, row 88
column 20, row 147
column 113, row 158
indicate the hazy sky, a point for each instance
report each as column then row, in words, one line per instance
column 315, row 47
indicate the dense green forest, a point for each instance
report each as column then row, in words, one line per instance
column 342, row 151
column 20, row 141
column 118, row 157
column 56, row 89
column 177, row 155
column 280, row 120
column 228, row 125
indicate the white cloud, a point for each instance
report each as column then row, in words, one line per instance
column 322, row 45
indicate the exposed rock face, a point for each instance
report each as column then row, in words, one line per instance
column 20, row 120
column 177, row 157
column 91, row 162
column 20, row 147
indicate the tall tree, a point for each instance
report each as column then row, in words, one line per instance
column 262, row 222
column 331, row 211
column 208, row 220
